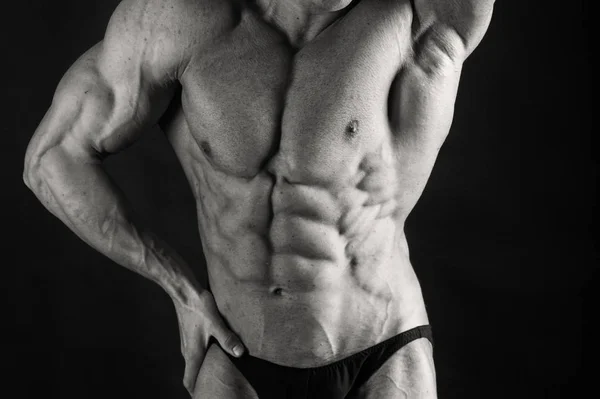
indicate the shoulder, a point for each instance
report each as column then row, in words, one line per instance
column 163, row 33
column 172, row 17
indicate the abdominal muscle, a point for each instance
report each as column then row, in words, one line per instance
column 305, row 275
column 290, row 158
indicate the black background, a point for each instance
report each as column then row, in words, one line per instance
column 501, row 239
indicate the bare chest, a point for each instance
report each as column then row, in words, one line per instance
column 252, row 103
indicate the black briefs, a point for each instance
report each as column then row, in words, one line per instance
column 331, row 381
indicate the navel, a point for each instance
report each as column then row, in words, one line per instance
column 206, row 148
column 352, row 128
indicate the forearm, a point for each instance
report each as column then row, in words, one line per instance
column 76, row 189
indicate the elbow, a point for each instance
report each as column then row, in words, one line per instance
column 30, row 167
column 31, row 173
column 33, row 167
column 40, row 159
column 26, row 178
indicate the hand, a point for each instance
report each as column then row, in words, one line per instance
column 199, row 319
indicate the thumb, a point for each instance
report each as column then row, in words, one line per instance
column 228, row 340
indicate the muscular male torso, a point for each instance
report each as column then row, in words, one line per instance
column 292, row 159
column 305, row 150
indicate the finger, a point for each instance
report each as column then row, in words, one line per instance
column 193, row 354
column 192, row 368
column 228, row 340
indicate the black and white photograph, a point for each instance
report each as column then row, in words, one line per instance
column 299, row 199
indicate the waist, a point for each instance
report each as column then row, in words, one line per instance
column 329, row 318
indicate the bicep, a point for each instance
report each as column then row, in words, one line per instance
column 109, row 96
column 80, row 109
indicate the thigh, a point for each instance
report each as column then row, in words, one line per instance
column 408, row 374
column 219, row 378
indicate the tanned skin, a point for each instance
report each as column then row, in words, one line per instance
column 307, row 130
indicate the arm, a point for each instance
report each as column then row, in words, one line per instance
column 110, row 95
column 102, row 104
column 445, row 34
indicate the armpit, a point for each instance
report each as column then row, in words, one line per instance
column 439, row 50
